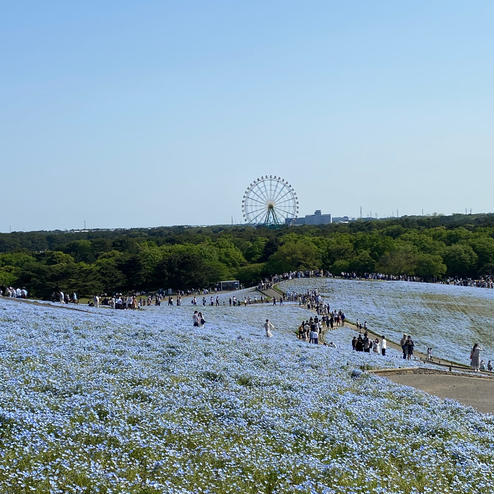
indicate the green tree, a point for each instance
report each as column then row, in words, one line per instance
column 110, row 276
column 9, row 275
column 400, row 260
column 255, row 249
column 362, row 263
column 81, row 250
column 291, row 256
column 460, row 259
column 483, row 246
column 429, row 266
column 339, row 247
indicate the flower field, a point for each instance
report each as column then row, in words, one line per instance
column 448, row 318
column 103, row 401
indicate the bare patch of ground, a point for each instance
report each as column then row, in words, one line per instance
column 476, row 391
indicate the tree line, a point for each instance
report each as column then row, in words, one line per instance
column 109, row 261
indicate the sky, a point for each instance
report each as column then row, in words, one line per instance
column 139, row 114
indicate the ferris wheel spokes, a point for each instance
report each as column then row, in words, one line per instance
column 269, row 200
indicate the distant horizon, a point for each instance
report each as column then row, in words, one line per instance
column 189, row 225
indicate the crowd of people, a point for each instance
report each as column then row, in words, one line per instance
column 123, row 302
column 64, row 297
column 312, row 329
column 483, row 282
column 11, row 292
column 362, row 343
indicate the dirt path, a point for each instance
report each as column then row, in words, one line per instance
column 416, row 353
column 270, row 293
column 474, row 390
column 397, row 346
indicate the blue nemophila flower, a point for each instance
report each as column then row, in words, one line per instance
column 133, row 401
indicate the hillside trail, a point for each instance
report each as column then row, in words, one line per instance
column 474, row 389
column 438, row 361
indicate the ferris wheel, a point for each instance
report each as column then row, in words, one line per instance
column 269, row 200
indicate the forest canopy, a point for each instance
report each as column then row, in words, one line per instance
column 109, row 261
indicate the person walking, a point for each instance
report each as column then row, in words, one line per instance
column 314, row 337
column 383, row 346
column 268, row 326
column 475, row 357
column 409, row 347
column 202, row 322
column 195, row 319
column 403, row 344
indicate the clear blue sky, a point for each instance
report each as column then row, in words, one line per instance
column 129, row 114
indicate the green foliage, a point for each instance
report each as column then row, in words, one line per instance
column 295, row 255
column 460, row 259
column 251, row 274
column 8, row 275
column 362, row 263
column 429, row 266
column 338, row 247
column 401, row 259
column 184, row 257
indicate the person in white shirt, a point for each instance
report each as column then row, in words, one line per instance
column 314, row 337
column 383, row 346
column 376, row 346
column 268, row 326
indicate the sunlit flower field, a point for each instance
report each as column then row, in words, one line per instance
column 448, row 318
column 141, row 402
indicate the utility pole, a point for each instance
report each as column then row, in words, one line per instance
column 360, row 212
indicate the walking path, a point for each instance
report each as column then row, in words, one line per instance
column 420, row 355
column 475, row 390
column 391, row 344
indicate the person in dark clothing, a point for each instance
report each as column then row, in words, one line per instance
column 409, row 347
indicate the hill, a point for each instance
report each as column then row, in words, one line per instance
column 140, row 402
